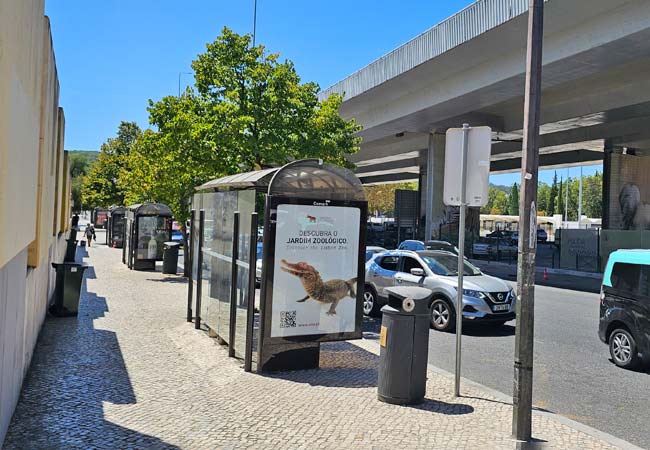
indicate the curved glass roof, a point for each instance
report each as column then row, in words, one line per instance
column 313, row 178
column 151, row 209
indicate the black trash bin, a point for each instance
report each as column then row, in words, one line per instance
column 170, row 257
column 69, row 276
column 404, row 346
column 70, row 250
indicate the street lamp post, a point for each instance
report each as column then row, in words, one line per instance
column 179, row 80
column 254, row 21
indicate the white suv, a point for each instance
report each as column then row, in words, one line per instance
column 485, row 298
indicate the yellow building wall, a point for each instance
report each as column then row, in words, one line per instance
column 46, row 190
column 21, row 53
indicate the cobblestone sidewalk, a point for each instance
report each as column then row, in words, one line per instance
column 130, row 373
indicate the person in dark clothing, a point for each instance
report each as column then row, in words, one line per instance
column 75, row 221
column 90, row 234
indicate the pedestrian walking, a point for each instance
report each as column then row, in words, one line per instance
column 90, row 234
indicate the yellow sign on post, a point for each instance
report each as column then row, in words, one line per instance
column 382, row 336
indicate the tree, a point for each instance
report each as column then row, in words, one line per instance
column 166, row 165
column 497, row 201
column 260, row 114
column 100, row 187
column 552, row 196
column 381, row 197
column 592, row 204
column 80, row 162
column 513, row 200
column 559, row 200
column 543, row 199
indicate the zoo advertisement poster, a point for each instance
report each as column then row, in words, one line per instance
column 315, row 275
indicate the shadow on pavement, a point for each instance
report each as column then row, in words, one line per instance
column 74, row 370
column 169, row 279
column 486, row 329
column 440, row 407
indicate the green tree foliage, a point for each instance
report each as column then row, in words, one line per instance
column 497, row 202
column 381, row 197
column 592, row 194
column 543, row 199
column 261, row 114
column 80, row 162
column 550, row 206
column 100, row 186
column 513, row 200
column 559, row 200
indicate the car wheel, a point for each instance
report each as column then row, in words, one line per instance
column 622, row 348
column 370, row 304
column 443, row 317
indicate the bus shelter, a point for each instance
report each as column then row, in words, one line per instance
column 115, row 226
column 147, row 227
column 312, row 227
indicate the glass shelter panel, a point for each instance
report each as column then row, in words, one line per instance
column 152, row 231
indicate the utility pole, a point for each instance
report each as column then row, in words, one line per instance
column 179, row 81
column 523, row 373
column 254, row 21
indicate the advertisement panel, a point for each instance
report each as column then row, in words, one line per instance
column 316, row 261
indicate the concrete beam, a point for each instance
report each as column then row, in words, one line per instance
column 557, row 160
column 390, row 178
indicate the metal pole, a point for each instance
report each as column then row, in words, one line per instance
column 199, row 271
column 523, row 364
column 428, row 210
column 190, row 281
column 580, row 201
column 254, row 21
column 461, row 257
column 233, row 286
column 250, row 309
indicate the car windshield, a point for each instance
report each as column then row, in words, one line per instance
column 447, row 265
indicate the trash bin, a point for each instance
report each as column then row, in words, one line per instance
column 70, row 250
column 170, row 257
column 69, row 276
column 404, row 346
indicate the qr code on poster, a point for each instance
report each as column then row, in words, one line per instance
column 287, row 319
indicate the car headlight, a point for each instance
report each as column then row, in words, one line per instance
column 473, row 293
column 513, row 295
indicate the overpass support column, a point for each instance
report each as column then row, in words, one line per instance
column 433, row 181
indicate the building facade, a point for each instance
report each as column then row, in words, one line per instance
column 34, row 188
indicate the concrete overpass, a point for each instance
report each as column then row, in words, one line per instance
column 470, row 68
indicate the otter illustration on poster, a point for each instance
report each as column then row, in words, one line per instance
column 316, row 266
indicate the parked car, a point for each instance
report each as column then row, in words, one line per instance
column 414, row 245
column 177, row 236
column 372, row 250
column 493, row 248
column 514, row 238
column 485, row 298
column 625, row 308
column 258, row 264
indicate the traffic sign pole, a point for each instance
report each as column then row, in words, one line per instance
column 461, row 257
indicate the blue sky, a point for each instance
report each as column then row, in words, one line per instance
column 112, row 56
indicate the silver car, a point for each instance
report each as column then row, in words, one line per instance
column 485, row 298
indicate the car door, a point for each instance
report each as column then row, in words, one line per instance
column 643, row 310
column 404, row 276
column 384, row 274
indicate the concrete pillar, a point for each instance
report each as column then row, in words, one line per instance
column 432, row 205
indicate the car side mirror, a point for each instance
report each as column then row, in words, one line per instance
column 417, row 272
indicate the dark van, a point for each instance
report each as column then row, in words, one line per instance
column 625, row 308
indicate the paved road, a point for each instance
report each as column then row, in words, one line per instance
column 573, row 374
